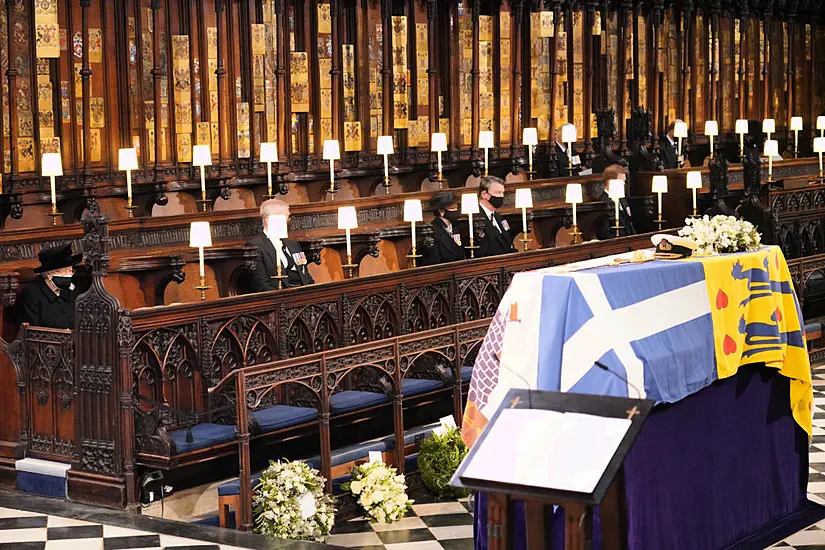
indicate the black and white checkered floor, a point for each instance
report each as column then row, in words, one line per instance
column 437, row 526
column 29, row 524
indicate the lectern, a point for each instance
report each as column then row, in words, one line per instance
column 551, row 449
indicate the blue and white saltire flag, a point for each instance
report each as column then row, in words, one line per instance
column 650, row 324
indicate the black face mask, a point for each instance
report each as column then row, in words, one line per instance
column 452, row 215
column 496, row 202
column 62, row 282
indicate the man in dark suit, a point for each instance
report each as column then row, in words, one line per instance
column 496, row 238
column 48, row 300
column 562, row 157
column 605, row 228
column 669, row 148
column 293, row 261
column 446, row 245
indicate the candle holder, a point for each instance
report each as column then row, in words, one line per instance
column 575, row 234
column 387, row 184
column 54, row 214
column 203, row 287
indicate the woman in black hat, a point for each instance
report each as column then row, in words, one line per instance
column 447, row 241
column 48, row 300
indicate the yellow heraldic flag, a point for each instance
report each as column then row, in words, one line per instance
column 757, row 319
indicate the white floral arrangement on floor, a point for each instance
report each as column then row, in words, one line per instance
column 721, row 235
column 380, row 491
column 290, row 503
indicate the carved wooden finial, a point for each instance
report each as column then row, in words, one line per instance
column 95, row 239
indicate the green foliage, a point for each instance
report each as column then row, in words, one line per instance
column 438, row 459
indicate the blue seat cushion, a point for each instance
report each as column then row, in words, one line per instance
column 353, row 400
column 417, row 386
column 466, row 373
column 203, row 435
column 283, row 416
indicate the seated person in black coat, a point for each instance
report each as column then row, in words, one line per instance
column 669, row 148
column 496, row 237
column 446, row 246
column 48, row 300
column 605, row 228
column 293, row 261
column 562, row 158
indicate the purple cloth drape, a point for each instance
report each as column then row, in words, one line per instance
column 724, row 467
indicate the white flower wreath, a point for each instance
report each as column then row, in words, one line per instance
column 290, row 503
column 380, row 491
column 721, row 234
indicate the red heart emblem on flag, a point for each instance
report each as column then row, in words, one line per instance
column 721, row 300
column 729, row 346
column 778, row 316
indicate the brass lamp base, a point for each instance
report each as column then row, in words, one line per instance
column 349, row 266
column 203, row 204
column 54, row 214
column 130, row 207
column 203, row 288
column 387, row 184
column 660, row 221
column 618, row 227
column 270, row 197
column 575, row 234
column 472, row 250
column 412, row 257
column 530, row 174
column 524, row 242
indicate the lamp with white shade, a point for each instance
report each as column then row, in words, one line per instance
column 680, row 133
column 469, row 206
column 524, row 200
column 694, row 182
column 659, row 186
column 796, row 127
column 530, row 140
column 771, row 150
column 52, row 166
column 438, row 143
column 711, row 130
column 568, row 136
column 615, row 190
column 347, row 220
column 768, row 127
column 200, row 236
column 741, row 129
column 573, row 195
column 385, row 148
column 202, row 156
column 332, row 152
column 485, row 141
column 269, row 154
column 820, row 125
column 819, row 148
column 127, row 161
column 276, row 230
column 412, row 214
